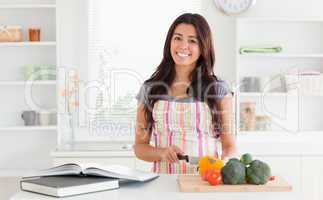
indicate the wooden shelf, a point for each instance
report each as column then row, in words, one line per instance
column 27, row 44
column 25, row 6
column 28, row 128
column 23, row 83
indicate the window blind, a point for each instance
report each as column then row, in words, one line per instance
column 125, row 45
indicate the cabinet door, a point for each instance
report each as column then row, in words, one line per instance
column 312, row 178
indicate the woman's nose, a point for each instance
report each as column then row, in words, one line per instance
column 184, row 44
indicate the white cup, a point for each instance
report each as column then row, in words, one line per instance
column 264, row 84
column 44, row 118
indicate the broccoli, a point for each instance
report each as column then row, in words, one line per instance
column 258, row 172
column 234, row 172
column 246, row 159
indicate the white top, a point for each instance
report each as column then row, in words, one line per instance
column 162, row 188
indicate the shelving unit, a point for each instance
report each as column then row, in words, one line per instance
column 24, row 83
column 28, row 128
column 18, row 54
column 26, row 44
column 302, row 44
column 26, row 6
column 13, row 86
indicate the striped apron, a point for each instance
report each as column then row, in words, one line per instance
column 187, row 125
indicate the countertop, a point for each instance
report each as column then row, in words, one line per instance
column 162, row 188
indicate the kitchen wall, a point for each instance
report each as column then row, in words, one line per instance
column 224, row 35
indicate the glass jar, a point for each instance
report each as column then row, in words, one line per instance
column 263, row 123
column 247, row 116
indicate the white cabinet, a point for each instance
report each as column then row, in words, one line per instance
column 292, row 101
column 38, row 95
column 287, row 87
column 312, row 178
column 35, row 142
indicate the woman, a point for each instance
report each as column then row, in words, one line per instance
column 183, row 106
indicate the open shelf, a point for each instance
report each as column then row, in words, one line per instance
column 291, row 113
column 24, row 6
column 26, row 44
column 28, row 128
column 13, row 83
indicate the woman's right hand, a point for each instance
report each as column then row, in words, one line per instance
column 169, row 154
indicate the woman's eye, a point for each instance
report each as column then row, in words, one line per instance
column 193, row 41
column 177, row 38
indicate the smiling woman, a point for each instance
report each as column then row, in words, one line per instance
column 183, row 105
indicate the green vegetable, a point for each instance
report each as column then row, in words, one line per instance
column 258, row 172
column 234, row 172
column 234, row 160
column 246, row 159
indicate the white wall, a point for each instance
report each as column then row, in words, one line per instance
column 224, row 35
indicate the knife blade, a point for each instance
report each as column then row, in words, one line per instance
column 193, row 160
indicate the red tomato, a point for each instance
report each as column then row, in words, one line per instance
column 214, row 178
column 206, row 174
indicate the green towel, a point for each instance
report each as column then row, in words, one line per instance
column 261, row 49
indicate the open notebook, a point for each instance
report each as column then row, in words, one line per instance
column 94, row 169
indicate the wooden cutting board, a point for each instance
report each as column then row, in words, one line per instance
column 193, row 183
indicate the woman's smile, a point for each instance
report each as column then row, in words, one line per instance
column 183, row 55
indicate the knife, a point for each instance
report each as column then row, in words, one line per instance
column 193, row 160
column 189, row 159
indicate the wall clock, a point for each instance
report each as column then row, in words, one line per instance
column 232, row 7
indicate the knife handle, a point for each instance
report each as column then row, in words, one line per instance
column 182, row 157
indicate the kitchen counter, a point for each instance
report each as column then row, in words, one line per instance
column 162, row 188
column 297, row 157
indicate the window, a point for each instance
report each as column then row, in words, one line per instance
column 124, row 45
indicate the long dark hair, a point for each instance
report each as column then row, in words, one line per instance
column 202, row 77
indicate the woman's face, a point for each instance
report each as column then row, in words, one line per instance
column 184, row 46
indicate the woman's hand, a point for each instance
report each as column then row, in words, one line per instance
column 169, row 154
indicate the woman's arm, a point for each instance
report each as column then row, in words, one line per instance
column 227, row 132
column 143, row 150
